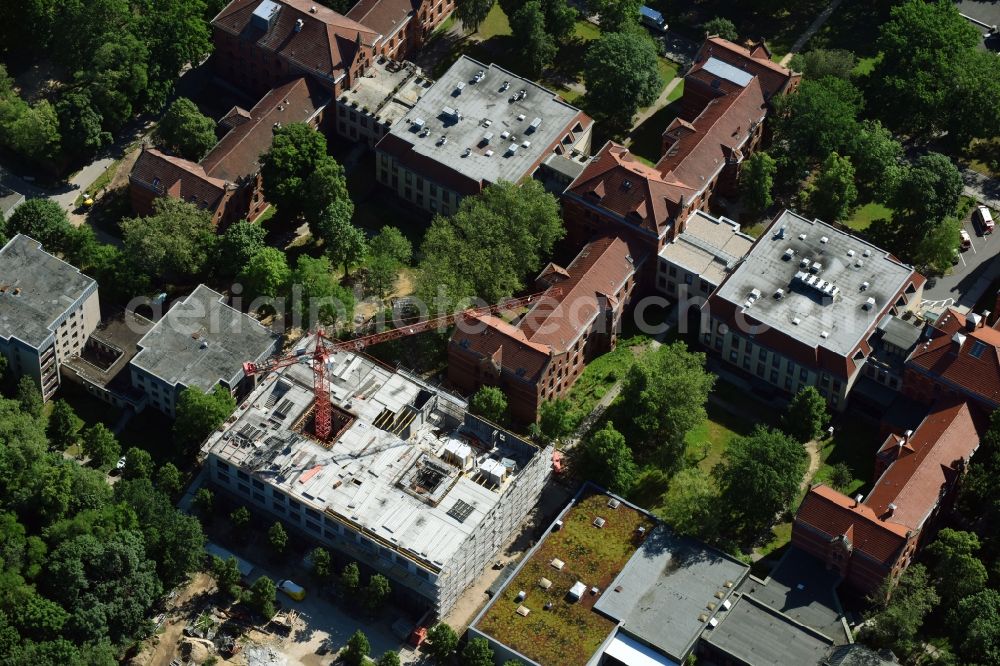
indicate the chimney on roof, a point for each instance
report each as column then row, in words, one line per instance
column 891, row 509
column 957, row 341
column 857, row 499
column 906, row 437
column 973, row 321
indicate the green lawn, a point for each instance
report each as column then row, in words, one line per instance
column 600, row 375
column 855, row 443
column 707, row 442
column 865, row 215
column 569, row 632
column 496, row 23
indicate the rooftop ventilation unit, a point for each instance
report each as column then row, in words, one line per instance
column 779, row 294
column 613, row 503
column 487, row 137
column 867, row 252
column 512, row 149
column 864, row 286
column 824, row 239
column 488, row 153
column 859, row 263
column 451, row 113
column 505, row 134
column 459, row 87
column 868, row 304
column 264, row 16
column 299, row 23
column 816, row 267
column 418, row 123
column 789, row 253
column 804, row 263
column 521, row 117
column 796, row 321
column 850, row 253
column 526, row 144
column 467, row 152
column 535, row 124
column 802, row 236
column 443, row 140
column 599, row 522
column 781, row 232
column 824, row 334
column 480, row 75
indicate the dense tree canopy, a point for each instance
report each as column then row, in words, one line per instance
column 832, row 193
column 820, row 118
column 238, row 246
column 186, row 130
column 616, row 15
column 43, row 220
column 895, row 623
column 322, row 299
column 266, row 274
column 817, row 63
column 621, row 74
column 472, row 13
column 177, row 241
column 606, row 459
column 199, row 413
column 344, row 243
column 490, row 403
column 722, row 27
column 299, row 177
column 807, row 416
column 756, row 182
column 490, row 245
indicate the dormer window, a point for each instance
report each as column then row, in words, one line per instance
column 627, row 184
column 977, row 349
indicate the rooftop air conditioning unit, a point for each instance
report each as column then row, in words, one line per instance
column 824, row 239
column 868, row 304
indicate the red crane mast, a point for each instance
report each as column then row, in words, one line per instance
column 326, row 346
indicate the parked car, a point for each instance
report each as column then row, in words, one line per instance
column 121, row 463
column 984, row 219
column 652, row 19
column 966, row 240
column 292, row 589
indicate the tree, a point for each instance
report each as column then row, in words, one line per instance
column 31, row 130
column 241, row 242
column 80, row 124
column 876, row 157
column 621, row 75
column 177, row 34
column 956, row 571
column 357, row 650
column 895, row 621
column 477, row 652
column 616, row 15
column 490, row 403
column 343, row 242
column 390, row 242
column 101, row 445
column 350, row 577
column 204, row 499
column 936, row 250
column 975, row 625
column 296, row 150
column 472, row 13
column 691, row 505
column 322, row 564
column 389, row 658
column 488, row 247
column 832, row 194
column 376, row 592
column 664, row 396
column 186, row 130
column 923, row 47
column 606, row 459
column 767, row 466
column 382, row 274
column 64, row 426
column 818, row 63
column 841, row 476
column 29, row 397
column 168, row 479
column 325, row 186
column 277, row 537
column 177, row 241
column 138, row 464
column 43, row 220
column 818, row 119
column 227, row 576
column 555, row 420
column 323, row 300
column 240, row 517
column 537, row 48
column 975, row 99
column 117, row 77
column 560, row 20
column 756, row 183
column 928, row 191
column 722, row 27
column 199, row 413
column 261, row 596
column 806, row 418
column 266, row 274
column 442, row 642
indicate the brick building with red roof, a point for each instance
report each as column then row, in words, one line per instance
column 869, row 539
column 227, row 180
column 725, row 101
column 959, row 355
column 539, row 357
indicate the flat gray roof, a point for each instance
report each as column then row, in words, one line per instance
column 202, row 341
column 899, row 333
column 36, row 290
column 408, row 465
column 662, row 596
column 726, row 71
column 759, row 636
column 388, row 90
column 9, row 200
column 479, row 103
column 709, row 246
column 843, row 273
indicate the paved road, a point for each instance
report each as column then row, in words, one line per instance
column 982, row 188
column 970, row 278
column 811, row 30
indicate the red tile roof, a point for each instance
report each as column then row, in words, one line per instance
column 383, row 16
column 834, row 514
column 773, row 77
column 327, row 42
column 718, row 132
column 505, row 344
column 237, row 154
column 600, row 269
column 926, row 465
column 178, row 178
column 942, row 359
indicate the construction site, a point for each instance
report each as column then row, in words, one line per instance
column 380, row 466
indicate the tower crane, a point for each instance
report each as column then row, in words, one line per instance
column 326, row 346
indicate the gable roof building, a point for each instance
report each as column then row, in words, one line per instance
column 540, row 356
column 871, row 538
column 959, row 355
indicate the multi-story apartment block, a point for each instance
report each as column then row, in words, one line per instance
column 48, row 309
column 541, row 355
column 701, row 256
column 803, row 306
column 388, row 92
column 478, row 124
column 200, row 342
column 408, row 484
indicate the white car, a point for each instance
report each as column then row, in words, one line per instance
column 984, row 219
column 966, row 240
column 121, row 463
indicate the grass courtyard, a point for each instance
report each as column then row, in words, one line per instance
column 568, row 632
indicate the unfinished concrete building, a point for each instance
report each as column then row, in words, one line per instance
column 408, row 483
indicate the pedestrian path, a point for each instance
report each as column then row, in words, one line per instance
column 810, row 31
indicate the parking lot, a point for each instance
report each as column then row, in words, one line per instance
column 971, row 276
column 986, row 13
